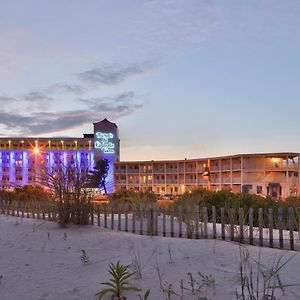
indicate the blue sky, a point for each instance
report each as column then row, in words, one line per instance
column 181, row 78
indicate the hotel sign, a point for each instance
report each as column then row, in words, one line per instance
column 103, row 141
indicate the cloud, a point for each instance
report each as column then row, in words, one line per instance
column 36, row 96
column 38, row 123
column 75, row 89
column 117, row 106
column 7, row 99
column 111, row 74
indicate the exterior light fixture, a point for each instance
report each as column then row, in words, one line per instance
column 36, row 150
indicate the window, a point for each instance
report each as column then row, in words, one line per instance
column 259, row 189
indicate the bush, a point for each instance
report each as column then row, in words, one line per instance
column 132, row 198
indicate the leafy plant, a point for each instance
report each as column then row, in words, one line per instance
column 118, row 283
column 145, row 296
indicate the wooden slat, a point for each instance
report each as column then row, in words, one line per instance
column 261, row 226
column 231, row 214
column 189, row 233
column 270, row 215
column 92, row 215
column 223, row 223
column 126, row 217
column 214, row 221
column 241, row 223
column 119, row 218
column 280, row 226
column 133, row 218
column 172, row 220
column 197, row 222
column 291, row 227
column 156, row 219
column 180, row 221
column 205, row 220
column 18, row 209
column 251, row 226
column 105, row 216
column 98, row 215
column 141, row 216
column 164, row 220
column 112, row 220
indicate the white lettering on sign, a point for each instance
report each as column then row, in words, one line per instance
column 103, row 142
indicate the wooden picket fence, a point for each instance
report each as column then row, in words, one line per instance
column 274, row 228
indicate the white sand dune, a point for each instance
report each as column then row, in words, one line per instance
column 38, row 263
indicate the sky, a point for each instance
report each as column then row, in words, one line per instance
column 180, row 78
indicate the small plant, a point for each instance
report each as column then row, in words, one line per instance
column 145, row 296
column 168, row 289
column 65, row 236
column 137, row 264
column 118, row 283
column 48, row 234
column 170, row 254
column 192, row 282
column 258, row 281
column 84, row 258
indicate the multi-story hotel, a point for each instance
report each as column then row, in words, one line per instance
column 23, row 159
column 274, row 174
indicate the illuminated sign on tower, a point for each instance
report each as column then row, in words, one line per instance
column 106, row 146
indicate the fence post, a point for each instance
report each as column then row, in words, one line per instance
column 105, row 215
column 126, row 217
column 119, row 218
column 33, row 211
column 38, row 212
column 141, row 218
column 98, row 214
column 18, row 209
column 205, row 219
column 251, row 226
column 231, row 214
column 13, row 209
column 223, row 222
column 214, row 221
column 172, row 220
column 164, row 220
column 22, row 210
column 133, row 219
column 270, row 213
column 180, row 221
column 280, row 226
column 156, row 212
column 291, row 227
column 92, row 214
column 189, row 233
column 241, row 221
column 197, row 222
column 261, row 225
column 112, row 223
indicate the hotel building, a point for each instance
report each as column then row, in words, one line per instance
column 23, row 159
column 274, row 174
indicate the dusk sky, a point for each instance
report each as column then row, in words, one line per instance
column 181, row 78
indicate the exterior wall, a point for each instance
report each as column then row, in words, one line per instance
column 275, row 174
column 22, row 160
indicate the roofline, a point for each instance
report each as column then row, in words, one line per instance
column 274, row 154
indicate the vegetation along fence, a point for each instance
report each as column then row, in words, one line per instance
column 270, row 227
